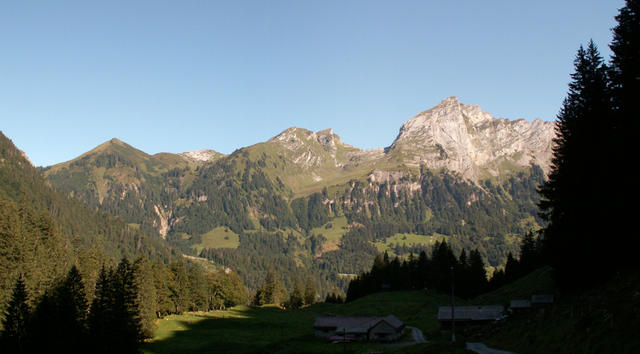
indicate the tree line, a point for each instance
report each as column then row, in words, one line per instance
column 273, row 292
column 119, row 312
column 441, row 269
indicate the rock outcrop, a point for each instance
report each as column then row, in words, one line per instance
column 465, row 139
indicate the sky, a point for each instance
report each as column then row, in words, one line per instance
column 175, row 76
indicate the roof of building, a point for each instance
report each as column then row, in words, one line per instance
column 542, row 299
column 355, row 324
column 520, row 304
column 470, row 313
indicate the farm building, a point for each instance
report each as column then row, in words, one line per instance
column 541, row 299
column 386, row 328
column 469, row 314
column 519, row 305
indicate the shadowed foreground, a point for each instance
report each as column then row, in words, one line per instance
column 271, row 330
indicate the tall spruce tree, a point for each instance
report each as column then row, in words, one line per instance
column 296, row 300
column 127, row 330
column 624, row 75
column 100, row 318
column 14, row 326
column 571, row 203
column 72, row 308
column 310, row 291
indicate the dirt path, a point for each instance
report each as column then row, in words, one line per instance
column 416, row 335
column 483, row 349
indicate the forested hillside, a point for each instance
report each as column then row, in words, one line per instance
column 247, row 211
column 44, row 232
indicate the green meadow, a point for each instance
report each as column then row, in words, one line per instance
column 246, row 329
column 219, row 237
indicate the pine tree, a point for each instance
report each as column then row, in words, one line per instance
column 296, row 300
column 16, row 320
column 273, row 291
column 310, row 291
column 101, row 317
column 574, row 217
column 624, row 75
column 127, row 334
column 72, row 308
column 529, row 257
column 179, row 286
column 147, row 297
column 477, row 274
column 511, row 269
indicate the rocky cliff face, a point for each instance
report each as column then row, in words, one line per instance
column 465, row 139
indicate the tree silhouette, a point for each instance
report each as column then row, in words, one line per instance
column 624, row 75
column 573, row 214
column 15, row 322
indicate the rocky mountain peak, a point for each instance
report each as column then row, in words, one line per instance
column 203, row 155
column 465, row 139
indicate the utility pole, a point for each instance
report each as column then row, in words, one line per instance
column 453, row 305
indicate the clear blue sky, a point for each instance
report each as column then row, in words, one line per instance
column 178, row 76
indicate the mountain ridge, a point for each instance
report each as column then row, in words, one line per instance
column 299, row 183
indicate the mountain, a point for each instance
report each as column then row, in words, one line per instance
column 308, row 202
column 465, row 139
column 124, row 181
column 43, row 231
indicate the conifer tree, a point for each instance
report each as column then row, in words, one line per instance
column 310, row 291
column 624, row 75
column 296, row 300
column 273, row 291
column 71, row 312
column 179, row 286
column 147, row 297
column 127, row 332
column 477, row 274
column 574, row 216
column 101, row 317
column 16, row 320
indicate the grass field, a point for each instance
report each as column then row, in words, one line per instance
column 219, row 237
column 332, row 230
column 272, row 330
column 406, row 239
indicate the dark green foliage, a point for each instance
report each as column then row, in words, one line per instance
column 59, row 321
column 423, row 272
column 296, row 299
column 576, row 220
column 180, row 293
column 14, row 326
column 334, row 298
column 598, row 121
column 114, row 322
column 30, row 244
column 147, row 295
column 198, row 294
column 310, row 291
column 272, row 292
column 226, row 289
column 624, row 80
column 43, row 232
